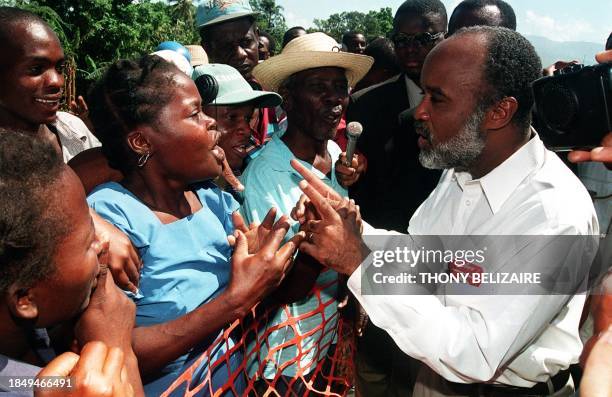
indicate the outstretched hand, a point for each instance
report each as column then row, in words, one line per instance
column 334, row 239
column 255, row 233
column 257, row 273
column 304, row 210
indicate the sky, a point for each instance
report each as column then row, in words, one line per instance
column 559, row 20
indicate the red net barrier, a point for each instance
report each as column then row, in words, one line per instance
column 242, row 342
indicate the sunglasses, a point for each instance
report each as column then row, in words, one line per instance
column 402, row 40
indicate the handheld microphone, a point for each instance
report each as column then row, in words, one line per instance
column 353, row 131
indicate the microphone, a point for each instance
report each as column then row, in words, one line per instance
column 353, row 131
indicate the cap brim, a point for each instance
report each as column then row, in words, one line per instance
column 228, row 17
column 259, row 99
column 272, row 72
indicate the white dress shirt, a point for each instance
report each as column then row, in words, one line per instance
column 509, row 339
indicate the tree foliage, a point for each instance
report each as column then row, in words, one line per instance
column 270, row 18
column 372, row 24
column 98, row 32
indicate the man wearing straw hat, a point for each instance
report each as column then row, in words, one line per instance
column 313, row 77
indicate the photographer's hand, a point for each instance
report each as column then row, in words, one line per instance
column 602, row 154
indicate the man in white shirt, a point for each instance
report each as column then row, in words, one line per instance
column 498, row 180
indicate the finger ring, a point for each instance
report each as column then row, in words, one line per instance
column 310, row 235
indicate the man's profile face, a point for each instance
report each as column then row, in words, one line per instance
column 317, row 101
column 411, row 53
column 356, row 44
column 31, row 76
column 234, row 43
column 449, row 118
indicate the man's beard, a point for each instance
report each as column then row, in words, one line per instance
column 459, row 152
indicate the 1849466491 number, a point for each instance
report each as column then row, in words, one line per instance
column 22, row 383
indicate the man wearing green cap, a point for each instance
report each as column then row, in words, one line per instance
column 231, row 101
column 230, row 36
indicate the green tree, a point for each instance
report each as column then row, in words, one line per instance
column 372, row 24
column 270, row 18
column 97, row 32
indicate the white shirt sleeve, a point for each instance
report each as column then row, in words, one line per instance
column 468, row 338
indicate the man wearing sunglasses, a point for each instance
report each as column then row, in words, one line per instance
column 395, row 183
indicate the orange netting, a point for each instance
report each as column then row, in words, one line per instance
column 332, row 374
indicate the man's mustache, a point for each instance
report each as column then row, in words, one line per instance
column 422, row 130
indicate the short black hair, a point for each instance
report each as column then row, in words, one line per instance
column 511, row 66
column 420, row 8
column 206, row 31
column 30, row 228
column 272, row 47
column 291, row 34
column 506, row 13
column 347, row 35
column 383, row 52
column 130, row 93
column 609, row 42
column 10, row 16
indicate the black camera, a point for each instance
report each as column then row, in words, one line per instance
column 574, row 106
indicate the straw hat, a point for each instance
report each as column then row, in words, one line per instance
column 314, row 50
column 198, row 55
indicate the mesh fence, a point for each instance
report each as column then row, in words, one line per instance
column 242, row 343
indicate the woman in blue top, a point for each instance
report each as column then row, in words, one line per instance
column 149, row 118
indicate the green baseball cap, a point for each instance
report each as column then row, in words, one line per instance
column 211, row 12
column 233, row 89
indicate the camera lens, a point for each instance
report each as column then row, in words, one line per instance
column 559, row 106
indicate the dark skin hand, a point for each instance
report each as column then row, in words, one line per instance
column 99, row 371
column 597, row 377
column 348, row 176
column 109, row 318
column 253, row 276
column 304, row 271
column 124, row 262
column 602, row 154
column 80, row 109
column 336, row 225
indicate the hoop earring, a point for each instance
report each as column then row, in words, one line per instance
column 142, row 160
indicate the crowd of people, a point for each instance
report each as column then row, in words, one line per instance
column 199, row 187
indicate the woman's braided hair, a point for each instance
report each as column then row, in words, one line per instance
column 129, row 94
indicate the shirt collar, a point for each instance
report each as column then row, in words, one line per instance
column 65, row 126
column 283, row 156
column 415, row 93
column 503, row 180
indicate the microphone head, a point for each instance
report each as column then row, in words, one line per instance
column 354, row 129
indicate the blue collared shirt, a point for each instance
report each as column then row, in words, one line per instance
column 270, row 181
